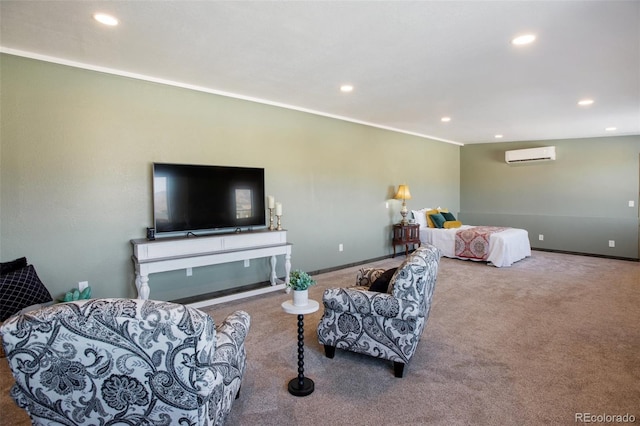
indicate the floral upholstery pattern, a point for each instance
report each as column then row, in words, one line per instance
column 125, row 361
column 383, row 325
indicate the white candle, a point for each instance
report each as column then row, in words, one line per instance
column 271, row 201
column 278, row 209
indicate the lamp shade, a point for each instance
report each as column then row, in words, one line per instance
column 403, row 193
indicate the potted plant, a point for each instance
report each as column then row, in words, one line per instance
column 300, row 282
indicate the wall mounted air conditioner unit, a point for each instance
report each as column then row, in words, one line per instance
column 531, row 154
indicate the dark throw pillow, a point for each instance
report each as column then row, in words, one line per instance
column 19, row 289
column 448, row 216
column 381, row 284
column 438, row 220
column 14, row 265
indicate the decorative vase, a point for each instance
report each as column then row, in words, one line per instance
column 300, row 297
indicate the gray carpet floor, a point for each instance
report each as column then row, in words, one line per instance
column 549, row 338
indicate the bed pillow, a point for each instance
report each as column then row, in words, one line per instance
column 448, row 216
column 429, row 221
column 381, row 284
column 19, row 289
column 14, row 265
column 452, row 224
column 437, row 219
column 420, row 216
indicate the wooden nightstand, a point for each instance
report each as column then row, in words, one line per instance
column 405, row 235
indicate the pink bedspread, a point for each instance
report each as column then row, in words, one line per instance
column 473, row 243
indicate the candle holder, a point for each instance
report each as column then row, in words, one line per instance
column 271, row 227
column 279, row 228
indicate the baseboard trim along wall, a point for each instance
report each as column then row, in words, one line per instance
column 255, row 289
column 604, row 256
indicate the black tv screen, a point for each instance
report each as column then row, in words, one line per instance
column 188, row 198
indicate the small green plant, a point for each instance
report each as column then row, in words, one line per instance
column 75, row 294
column 299, row 280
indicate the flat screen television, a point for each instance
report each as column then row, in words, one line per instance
column 190, row 198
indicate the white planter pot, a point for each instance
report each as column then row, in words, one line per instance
column 300, row 297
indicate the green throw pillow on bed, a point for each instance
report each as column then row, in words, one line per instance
column 438, row 219
column 448, row 216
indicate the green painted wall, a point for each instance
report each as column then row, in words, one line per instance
column 578, row 202
column 76, row 149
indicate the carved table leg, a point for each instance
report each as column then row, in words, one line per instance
column 287, row 267
column 137, row 281
column 274, row 279
column 143, row 289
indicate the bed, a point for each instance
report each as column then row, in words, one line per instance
column 499, row 246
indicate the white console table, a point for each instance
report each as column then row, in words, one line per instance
column 170, row 254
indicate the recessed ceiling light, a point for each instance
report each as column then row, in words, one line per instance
column 445, row 119
column 346, row 88
column 585, row 102
column 498, row 136
column 523, row 39
column 611, row 129
column 105, row 19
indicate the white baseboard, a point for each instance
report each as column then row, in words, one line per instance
column 237, row 296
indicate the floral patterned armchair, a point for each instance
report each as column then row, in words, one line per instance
column 384, row 325
column 125, row 361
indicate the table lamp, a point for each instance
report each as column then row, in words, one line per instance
column 403, row 194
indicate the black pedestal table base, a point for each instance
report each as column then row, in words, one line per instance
column 301, row 386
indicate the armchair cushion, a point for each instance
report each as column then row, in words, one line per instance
column 21, row 288
column 125, row 361
column 13, row 265
column 381, row 284
column 366, row 276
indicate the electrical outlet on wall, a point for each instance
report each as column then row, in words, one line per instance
column 82, row 285
column 541, row 237
column 612, row 243
column 340, row 247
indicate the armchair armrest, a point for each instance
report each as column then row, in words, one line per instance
column 230, row 336
column 234, row 328
column 368, row 302
column 230, row 356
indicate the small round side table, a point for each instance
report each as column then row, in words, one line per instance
column 300, row 386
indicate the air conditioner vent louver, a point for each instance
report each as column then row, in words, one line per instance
column 546, row 153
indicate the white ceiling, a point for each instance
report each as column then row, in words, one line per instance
column 411, row 62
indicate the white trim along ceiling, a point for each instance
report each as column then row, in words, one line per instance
column 444, row 70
